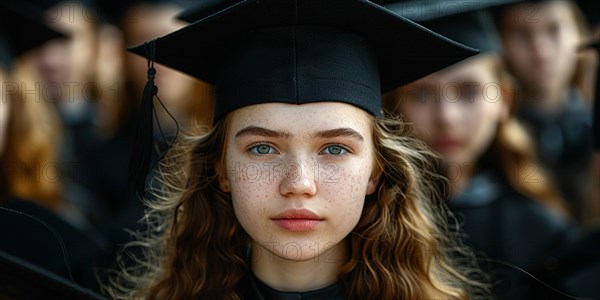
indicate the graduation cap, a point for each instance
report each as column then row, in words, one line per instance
column 467, row 22
column 113, row 11
column 590, row 10
column 295, row 51
column 205, row 8
column 21, row 29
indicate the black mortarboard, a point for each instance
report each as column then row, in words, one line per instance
column 21, row 28
column 300, row 51
column 47, row 4
column 113, row 11
column 467, row 22
column 590, row 10
column 20, row 279
column 205, row 8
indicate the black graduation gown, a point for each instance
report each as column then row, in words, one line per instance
column 253, row 289
column 33, row 242
column 576, row 271
column 565, row 147
column 507, row 231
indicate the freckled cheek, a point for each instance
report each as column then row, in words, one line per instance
column 251, row 195
column 346, row 194
column 258, row 193
column 251, row 210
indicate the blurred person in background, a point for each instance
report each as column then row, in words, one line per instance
column 504, row 204
column 123, row 75
column 578, row 267
column 590, row 47
column 541, row 39
column 66, row 71
column 33, row 211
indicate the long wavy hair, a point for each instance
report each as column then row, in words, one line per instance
column 401, row 247
column 512, row 151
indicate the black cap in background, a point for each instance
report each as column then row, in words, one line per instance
column 205, row 8
column 468, row 22
column 21, row 29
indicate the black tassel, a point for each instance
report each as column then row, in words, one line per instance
column 143, row 146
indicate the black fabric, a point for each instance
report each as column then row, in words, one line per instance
column 48, row 4
column 252, row 288
column 205, row 8
column 590, row 10
column 575, row 270
column 508, row 231
column 467, row 22
column 20, row 279
column 301, row 57
column 21, row 29
column 565, row 145
column 426, row 10
column 343, row 68
column 596, row 104
column 32, row 241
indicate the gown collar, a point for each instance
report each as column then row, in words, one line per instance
column 334, row 291
column 482, row 190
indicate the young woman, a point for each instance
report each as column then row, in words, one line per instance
column 505, row 205
column 540, row 40
column 301, row 189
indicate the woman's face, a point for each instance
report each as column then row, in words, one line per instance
column 69, row 60
column 540, row 44
column 298, row 175
column 456, row 111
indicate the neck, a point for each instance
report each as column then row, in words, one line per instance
column 460, row 177
column 298, row 276
column 550, row 102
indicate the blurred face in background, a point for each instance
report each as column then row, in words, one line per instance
column 456, row 111
column 69, row 60
column 143, row 23
column 540, row 42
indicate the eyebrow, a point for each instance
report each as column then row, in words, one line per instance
column 261, row 131
column 348, row 132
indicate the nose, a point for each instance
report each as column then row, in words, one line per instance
column 542, row 49
column 448, row 112
column 297, row 180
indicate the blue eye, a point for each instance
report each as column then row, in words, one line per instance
column 262, row 149
column 335, row 150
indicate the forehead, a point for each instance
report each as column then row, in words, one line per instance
column 303, row 118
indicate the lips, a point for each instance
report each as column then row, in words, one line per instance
column 297, row 220
column 445, row 144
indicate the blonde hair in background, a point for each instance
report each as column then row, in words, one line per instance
column 400, row 249
column 514, row 149
column 584, row 78
column 29, row 162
